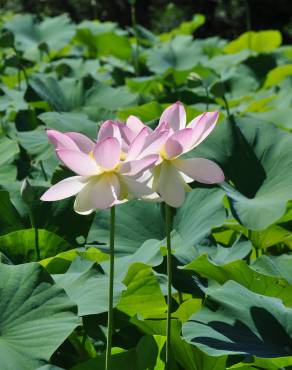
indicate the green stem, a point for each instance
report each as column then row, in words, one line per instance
column 169, row 275
column 180, row 297
column 36, row 235
column 43, row 171
column 248, row 23
column 226, row 106
column 207, row 95
column 19, row 79
column 111, row 290
column 20, row 68
column 36, row 240
column 134, row 25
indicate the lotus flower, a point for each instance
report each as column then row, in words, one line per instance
column 125, row 133
column 105, row 176
column 171, row 139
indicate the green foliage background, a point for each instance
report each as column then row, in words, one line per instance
column 232, row 284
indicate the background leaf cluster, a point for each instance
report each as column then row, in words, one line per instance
column 232, row 244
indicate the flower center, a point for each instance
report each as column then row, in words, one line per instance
column 163, row 154
column 123, row 156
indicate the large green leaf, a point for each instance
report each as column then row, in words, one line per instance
column 257, row 157
column 185, row 28
column 261, row 41
column 36, row 143
column 276, row 75
column 263, row 363
column 143, row 295
column 10, row 220
column 147, row 355
column 202, row 210
column 181, row 54
column 280, row 266
column 190, row 358
column 77, row 122
column 9, row 150
column 241, row 322
column 242, row 273
column 71, row 95
column 19, row 246
column 55, row 32
column 102, row 39
column 87, row 288
column 36, row 317
column 11, row 100
column 136, row 222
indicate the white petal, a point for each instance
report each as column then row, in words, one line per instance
column 137, row 189
column 98, row 194
column 83, row 204
column 200, row 169
column 171, row 185
column 64, row 189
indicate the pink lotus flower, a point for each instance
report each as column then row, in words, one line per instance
column 105, row 175
column 124, row 132
column 171, row 139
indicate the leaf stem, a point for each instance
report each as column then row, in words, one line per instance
column 43, row 171
column 169, row 280
column 226, row 106
column 36, row 235
column 134, row 25
column 207, row 95
column 111, row 290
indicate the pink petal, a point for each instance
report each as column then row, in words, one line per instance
column 78, row 162
column 99, row 194
column 171, row 185
column 83, row 142
column 154, row 142
column 107, row 153
column 64, row 189
column 127, row 136
column 61, row 141
column 180, row 142
column 137, row 144
column 200, row 169
column 135, row 124
column 202, row 126
column 175, row 116
column 109, row 129
column 137, row 167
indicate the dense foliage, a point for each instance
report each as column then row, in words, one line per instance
column 226, row 18
column 232, row 287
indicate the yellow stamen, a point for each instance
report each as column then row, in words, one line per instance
column 122, row 156
column 163, row 154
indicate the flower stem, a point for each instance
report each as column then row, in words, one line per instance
column 110, row 290
column 169, row 279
